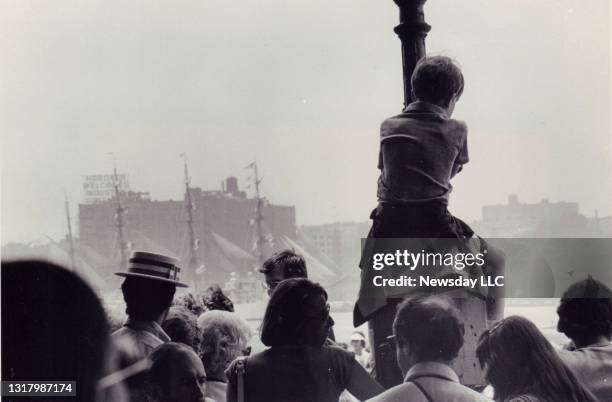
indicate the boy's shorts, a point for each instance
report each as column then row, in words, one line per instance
column 425, row 220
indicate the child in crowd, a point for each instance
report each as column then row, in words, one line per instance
column 358, row 346
column 421, row 150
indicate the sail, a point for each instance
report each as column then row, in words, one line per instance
column 317, row 271
column 57, row 253
column 230, row 249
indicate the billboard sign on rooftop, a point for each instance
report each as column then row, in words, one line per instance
column 101, row 187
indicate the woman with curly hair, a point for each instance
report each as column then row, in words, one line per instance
column 522, row 366
column 225, row 336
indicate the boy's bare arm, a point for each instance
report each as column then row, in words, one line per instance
column 456, row 169
column 463, row 157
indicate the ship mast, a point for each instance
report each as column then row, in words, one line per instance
column 193, row 241
column 119, row 211
column 70, row 239
column 259, row 254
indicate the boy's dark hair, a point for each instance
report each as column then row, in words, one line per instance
column 146, row 299
column 292, row 264
column 438, row 332
column 436, row 79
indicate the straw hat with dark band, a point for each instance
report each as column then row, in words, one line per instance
column 153, row 266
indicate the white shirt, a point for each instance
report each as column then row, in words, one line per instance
column 216, row 390
column 363, row 359
column 438, row 380
column 592, row 365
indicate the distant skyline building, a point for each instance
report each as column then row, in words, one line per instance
column 341, row 243
column 542, row 219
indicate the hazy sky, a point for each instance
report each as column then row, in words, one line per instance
column 302, row 86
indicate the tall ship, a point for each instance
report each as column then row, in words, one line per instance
column 220, row 236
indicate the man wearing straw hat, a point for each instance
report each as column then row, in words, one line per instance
column 148, row 290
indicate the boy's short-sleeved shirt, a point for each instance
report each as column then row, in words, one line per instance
column 421, row 149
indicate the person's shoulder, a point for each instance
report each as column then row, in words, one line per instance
column 457, row 127
column 460, row 124
column 569, row 355
column 123, row 338
column 401, row 118
column 127, row 335
column 476, row 396
column 462, row 393
column 390, row 124
column 341, row 358
column 581, row 358
column 239, row 363
column 338, row 351
column 120, row 332
column 256, row 361
column 395, row 118
column 126, row 348
column 400, row 393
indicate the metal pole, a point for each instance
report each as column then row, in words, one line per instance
column 412, row 31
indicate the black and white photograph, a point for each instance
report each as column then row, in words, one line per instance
column 322, row 201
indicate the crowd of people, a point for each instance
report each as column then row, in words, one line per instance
column 54, row 327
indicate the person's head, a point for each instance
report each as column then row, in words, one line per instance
column 225, row 336
column 585, row 312
column 438, row 337
column 54, row 328
column 149, row 286
column 176, row 374
column 358, row 341
column 192, row 303
column 181, row 326
column 283, row 265
column 297, row 314
column 518, row 359
column 215, row 299
column 147, row 299
column 437, row 80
